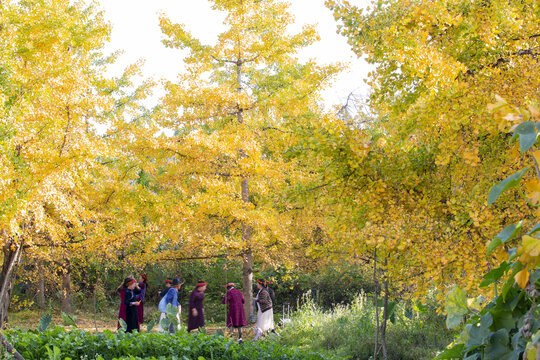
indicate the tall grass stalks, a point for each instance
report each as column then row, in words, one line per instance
column 348, row 331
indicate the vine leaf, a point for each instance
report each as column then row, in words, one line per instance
column 508, row 183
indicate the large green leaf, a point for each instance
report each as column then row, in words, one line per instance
column 151, row 326
column 516, row 267
column 171, row 312
column 123, row 324
column 68, row 320
column 503, row 319
column 456, row 307
column 508, row 183
column 534, row 230
column 454, row 352
column 498, row 346
column 165, row 323
column 527, row 135
column 44, row 322
column 507, row 234
column 478, row 333
column 495, row 274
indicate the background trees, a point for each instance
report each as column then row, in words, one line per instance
column 228, row 168
column 64, row 133
column 438, row 150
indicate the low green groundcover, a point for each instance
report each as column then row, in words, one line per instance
column 59, row 344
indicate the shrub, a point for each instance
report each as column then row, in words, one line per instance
column 348, row 331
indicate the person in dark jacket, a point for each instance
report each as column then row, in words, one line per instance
column 236, row 316
column 196, row 307
column 131, row 301
column 164, row 292
column 122, row 311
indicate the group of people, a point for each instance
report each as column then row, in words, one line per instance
column 132, row 295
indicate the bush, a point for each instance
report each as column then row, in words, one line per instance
column 331, row 285
column 348, row 331
column 78, row 344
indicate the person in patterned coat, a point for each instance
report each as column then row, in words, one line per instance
column 236, row 316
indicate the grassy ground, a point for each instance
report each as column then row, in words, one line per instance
column 29, row 319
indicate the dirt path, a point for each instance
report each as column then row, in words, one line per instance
column 29, row 319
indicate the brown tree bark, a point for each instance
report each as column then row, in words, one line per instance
column 376, row 284
column 247, row 257
column 247, row 281
column 10, row 348
column 40, row 288
column 12, row 253
column 385, row 315
column 66, row 287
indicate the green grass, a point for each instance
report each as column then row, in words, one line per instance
column 349, row 331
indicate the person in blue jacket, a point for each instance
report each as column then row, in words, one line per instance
column 171, row 297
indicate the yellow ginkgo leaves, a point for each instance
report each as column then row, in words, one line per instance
column 529, row 256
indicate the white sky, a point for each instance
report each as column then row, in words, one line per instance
column 136, row 31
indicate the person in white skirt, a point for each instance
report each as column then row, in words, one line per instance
column 265, row 313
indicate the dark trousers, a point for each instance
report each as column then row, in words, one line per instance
column 132, row 320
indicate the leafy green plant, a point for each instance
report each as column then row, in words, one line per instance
column 44, row 322
column 54, row 353
column 123, row 324
column 150, row 326
column 507, row 328
column 68, row 320
column 58, row 343
column 171, row 313
column 348, row 331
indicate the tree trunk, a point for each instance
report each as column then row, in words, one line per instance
column 247, row 281
column 376, row 285
column 40, row 289
column 12, row 254
column 247, row 257
column 66, row 287
column 10, row 349
column 385, row 315
column 95, row 306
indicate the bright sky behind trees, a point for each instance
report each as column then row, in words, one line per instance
column 136, row 32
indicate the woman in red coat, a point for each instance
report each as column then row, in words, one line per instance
column 236, row 317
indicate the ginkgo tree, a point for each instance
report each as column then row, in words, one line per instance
column 436, row 148
column 234, row 112
column 67, row 138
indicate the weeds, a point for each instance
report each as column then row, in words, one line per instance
column 348, row 331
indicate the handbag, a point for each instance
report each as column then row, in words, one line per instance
column 253, row 316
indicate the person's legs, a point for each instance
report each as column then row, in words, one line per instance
column 172, row 328
column 160, row 328
column 258, row 333
column 239, row 333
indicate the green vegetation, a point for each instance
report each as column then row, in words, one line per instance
column 508, row 327
column 77, row 344
column 348, row 331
